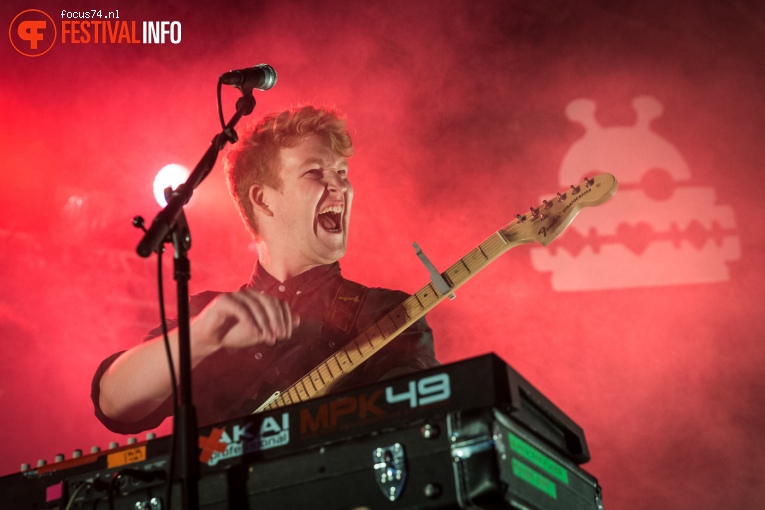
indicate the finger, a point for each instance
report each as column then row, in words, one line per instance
column 256, row 316
column 270, row 309
column 288, row 319
column 234, row 319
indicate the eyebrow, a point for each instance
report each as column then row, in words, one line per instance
column 320, row 161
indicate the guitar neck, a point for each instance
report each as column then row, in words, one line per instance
column 393, row 323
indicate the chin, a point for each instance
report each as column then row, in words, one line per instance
column 335, row 255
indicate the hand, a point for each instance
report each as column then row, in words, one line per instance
column 241, row 319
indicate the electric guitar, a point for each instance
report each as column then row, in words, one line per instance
column 541, row 224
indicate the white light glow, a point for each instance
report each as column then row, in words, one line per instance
column 171, row 175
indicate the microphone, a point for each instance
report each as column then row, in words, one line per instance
column 261, row 77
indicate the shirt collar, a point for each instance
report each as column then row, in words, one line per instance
column 304, row 282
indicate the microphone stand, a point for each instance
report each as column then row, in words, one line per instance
column 170, row 226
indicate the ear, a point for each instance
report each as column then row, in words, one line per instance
column 258, row 199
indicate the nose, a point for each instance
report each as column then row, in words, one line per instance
column 335, row 182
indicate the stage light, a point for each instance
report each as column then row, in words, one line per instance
column 170, row 175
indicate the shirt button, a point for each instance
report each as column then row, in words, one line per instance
column 332, row 345
column 282, row 288
column 258, row 355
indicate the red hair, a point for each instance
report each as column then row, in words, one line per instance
column 255, row 157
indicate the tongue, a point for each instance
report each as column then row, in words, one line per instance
column 327, row 221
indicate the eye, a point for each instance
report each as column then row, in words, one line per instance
column 314, row 172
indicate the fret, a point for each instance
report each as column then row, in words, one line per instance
column 348, row 356
column 418, row 300
column 354, row 356
column 306, row 390
column 458, row 273
column 379, row 325
column 294, row 390
column 412, row 307
column 434, row 295
column 357, row 347
column 304, row 395
column 340, row 363
column 337, row 368
column 369, row 339
column 317, row 371
column 475, row 260
column 313, row 383
column 426, row 295
column 326, row 373
column 384, row 325
column 493, row 246
column 396, row 317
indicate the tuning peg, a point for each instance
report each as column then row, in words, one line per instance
column 561, row 197
column 575, row 189
column 520, row 218
column 534, row 213
column 588, row 182
column 547, row 204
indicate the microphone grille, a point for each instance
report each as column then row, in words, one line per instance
column 269, row 76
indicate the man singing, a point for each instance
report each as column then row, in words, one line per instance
column 289, row 178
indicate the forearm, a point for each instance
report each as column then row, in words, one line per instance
column 138, row 381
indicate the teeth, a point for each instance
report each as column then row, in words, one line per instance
column 333, row 209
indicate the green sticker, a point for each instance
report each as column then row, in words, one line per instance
column 538, row 458
column 533, row 478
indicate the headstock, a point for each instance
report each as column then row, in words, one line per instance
column 547, row 221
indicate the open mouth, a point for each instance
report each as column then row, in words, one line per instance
column 331, row 219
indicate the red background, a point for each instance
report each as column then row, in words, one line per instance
column 458, row 112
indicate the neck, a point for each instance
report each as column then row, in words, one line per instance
column 281, row 268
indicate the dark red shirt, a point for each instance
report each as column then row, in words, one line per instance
column 231, row 383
